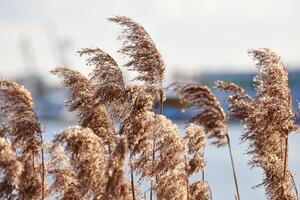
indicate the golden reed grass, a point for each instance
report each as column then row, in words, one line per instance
column 269, row 120
column 88, row 160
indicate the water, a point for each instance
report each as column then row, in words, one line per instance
column 218, row 170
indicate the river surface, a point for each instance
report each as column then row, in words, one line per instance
column 218, row 170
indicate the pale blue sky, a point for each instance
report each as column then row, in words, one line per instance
column 192, row 35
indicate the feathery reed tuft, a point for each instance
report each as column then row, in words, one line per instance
column 117, row 186
column 65, row 183
column 108, row 79
column 21, row 126
column 195, row 141
column 82, row 90
column 92, row 114
column 143, row 54
column 239, row 101
column 199, row 190
column 11, row 170
column 169, row 164
column 87, row 158
column 20, row 121
column 269, row 120
column 211, row 116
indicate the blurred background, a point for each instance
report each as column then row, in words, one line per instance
column 200, row 40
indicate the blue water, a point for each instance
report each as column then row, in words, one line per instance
column 218, row 170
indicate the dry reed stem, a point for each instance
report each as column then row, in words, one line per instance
column 132, row 179
column 233, row 168
column 43, row 168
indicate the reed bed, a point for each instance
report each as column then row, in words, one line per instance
column 88, row 160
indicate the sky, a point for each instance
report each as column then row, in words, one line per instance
column 193, row 36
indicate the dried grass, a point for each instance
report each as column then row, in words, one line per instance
column 88, row 161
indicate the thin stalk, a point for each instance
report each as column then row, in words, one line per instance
column 187, row 188
column 153, row 158
column 187, row 178
column 132, row 185
column 43, row 167
column 296, row 190
column 132, row 180
column 43, row 160
column 285, row 157
column 109, row 151
column 210, row 192
column 203, row 172
column 233, row 167
column 285, row 163
column 33, row 160
column 161, row 103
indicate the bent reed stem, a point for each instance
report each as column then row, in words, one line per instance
column 285, row 163
column 285, row 157
column 43, row 168
column 132, row 185
column 132, row 179
column 203, row 172
column 233, row 167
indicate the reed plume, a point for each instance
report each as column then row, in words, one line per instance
column 239, row 100
column 199, row 190
column 170, row 163
column 194, row 140
column 142, row 52
column 108, row 80
column 65, row 183
column 87, row 159
column 141, row 103
column 117, row 186
column 212, row 117
column 92, row 114
column 269, row 120
column 11, row 170
column 20, row 124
